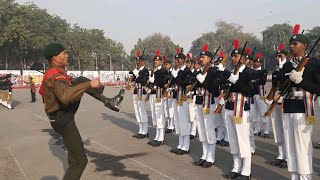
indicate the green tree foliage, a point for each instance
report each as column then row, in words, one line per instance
column 272, row 37
column 314, row 34
column 151, row 44
column 224, row 36
column 26, row 29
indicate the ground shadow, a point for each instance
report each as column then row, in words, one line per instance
column 107, row 162
column 223, row 159
column 57, row 147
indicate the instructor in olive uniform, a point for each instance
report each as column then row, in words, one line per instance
column 61, row 96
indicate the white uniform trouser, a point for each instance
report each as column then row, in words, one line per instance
column 250, row 119
column 182, row 126
column 152, row 101
column 141, row 114
column 193, row 119
column 239, row 142
column 160, row 120
column 222, row 133
column 207, row 134
column 277, row 127
column 297, row 134
column 169, row 112
column 259, row 110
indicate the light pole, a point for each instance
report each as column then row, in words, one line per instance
column 110, row 63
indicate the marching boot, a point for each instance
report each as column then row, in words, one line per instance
column 113, row 103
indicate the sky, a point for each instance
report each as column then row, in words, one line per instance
column 183, row 20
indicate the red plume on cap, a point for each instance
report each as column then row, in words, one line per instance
column 164, row 58
column 178, row 51
column 259, row 55
column 139, row 53
column 296, row 29
column 281, row 46
column 248, row 50
column 205, row 47
column 188, row 56
column 158, row 53
column 236, row 44
column 196, row 58
column 221, row 54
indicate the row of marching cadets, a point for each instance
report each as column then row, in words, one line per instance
column 226, row 107
column 6, row 91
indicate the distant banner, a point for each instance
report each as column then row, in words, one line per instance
column 16, row 77
column 122, row 75
column 106, row 77
column 37, row 76
column 91, row 74
column 74, row 74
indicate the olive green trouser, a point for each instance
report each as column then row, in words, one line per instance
column 64, row 125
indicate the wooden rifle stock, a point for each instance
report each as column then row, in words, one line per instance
column 227, row 94
column 300, row 66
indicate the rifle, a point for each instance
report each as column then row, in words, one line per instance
column 129, row 83
column 167, row 92
column 149, row 84
column 205, row 69
column 236, row 71
column 226, row 57
column 288, row 84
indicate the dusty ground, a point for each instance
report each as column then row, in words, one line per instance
column 29, row 148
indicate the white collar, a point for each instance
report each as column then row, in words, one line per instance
column 159, row 67
column 258, row 69
column 183, row 67
column 242, row 68
column 141, row 68
column 192, row 70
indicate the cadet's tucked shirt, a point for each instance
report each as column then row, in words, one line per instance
column 59, row 93
column 261, row 79
column 310, row 83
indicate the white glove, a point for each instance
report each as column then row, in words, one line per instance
column 282, row 62
column 174, row 73
column 295, row 76
column 10, row 93
column 280, row 100
column 136, row 72
column 222, row 101
column 220, row 67
column 233, row 78
column 201, row 77
column 298, row 94
column 268, row 102
column 151, row 79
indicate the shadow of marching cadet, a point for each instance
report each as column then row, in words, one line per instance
column 223, row 159
column 57, row 147
column 171, row 141
column 108, row 162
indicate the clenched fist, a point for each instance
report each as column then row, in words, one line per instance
column 95, row 83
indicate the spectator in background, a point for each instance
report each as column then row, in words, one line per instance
column 32, row 85
column 118, row 81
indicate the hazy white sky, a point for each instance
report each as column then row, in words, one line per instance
column 183, row 20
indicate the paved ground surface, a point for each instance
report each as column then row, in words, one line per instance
column 29, row 149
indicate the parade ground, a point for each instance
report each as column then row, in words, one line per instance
column 30, row 149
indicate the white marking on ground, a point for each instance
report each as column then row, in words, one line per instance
column 138, row 162
column 18, row 164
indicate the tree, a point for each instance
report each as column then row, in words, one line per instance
column 314, row 34
column 151, row 44
column 224, row 36
column 26, row 29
